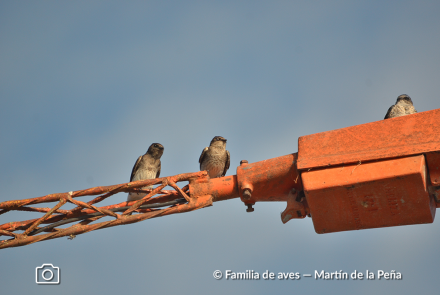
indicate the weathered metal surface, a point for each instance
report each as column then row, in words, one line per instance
column 221, row 189
column 397, row 137
column 268, row 180
column 55, row 214
column 66, row 214
column 435, row 192
column 296, row 207
column 80, row 228
column 111, row 189
column 433, row 160
column 369, row 195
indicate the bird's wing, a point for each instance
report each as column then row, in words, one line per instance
column 227, row 163
column 158, row 170
column 389, row 112
column 202, row 156
column 135, row 168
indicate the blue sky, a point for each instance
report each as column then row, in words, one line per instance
column 87, row 86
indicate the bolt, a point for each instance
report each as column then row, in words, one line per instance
column 249, row 208
column 243, row 162
column 247, row 193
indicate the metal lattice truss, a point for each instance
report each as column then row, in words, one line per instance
column 157, row 202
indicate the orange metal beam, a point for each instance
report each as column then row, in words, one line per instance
column 264, row 181
column 397, row 137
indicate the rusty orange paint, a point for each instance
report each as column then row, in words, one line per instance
column 433, row 160
column 221, row 189
column 397, row 137
column 268, row 180
column 369, row 195
column 22, row 225
column 21, row 239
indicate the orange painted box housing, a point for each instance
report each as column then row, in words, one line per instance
column 369, row 195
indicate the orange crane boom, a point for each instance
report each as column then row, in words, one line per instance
column 379, row 174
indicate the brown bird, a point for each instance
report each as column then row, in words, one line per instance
column 146, row 167
column 404, row 106
column 215, row 159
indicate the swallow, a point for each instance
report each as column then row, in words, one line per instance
column 404, row 106
column 146, row 167
column 215, row 159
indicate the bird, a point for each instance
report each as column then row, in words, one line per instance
column 404, row 106
column 146, row 167
column 215, row 159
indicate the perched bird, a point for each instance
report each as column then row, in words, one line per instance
column 404, row 106
column 146, row 167
column 215, row 159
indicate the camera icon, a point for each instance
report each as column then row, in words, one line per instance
column 47, row 274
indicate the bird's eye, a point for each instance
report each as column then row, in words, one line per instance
column 155, row 145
